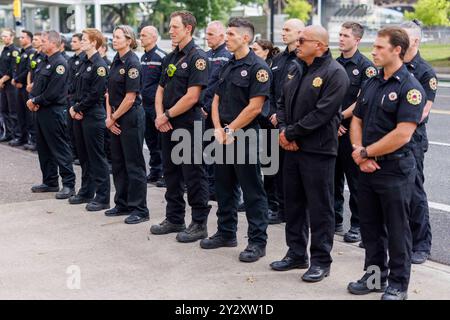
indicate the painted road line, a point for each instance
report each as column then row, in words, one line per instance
column 439, row 111
column 443, row 144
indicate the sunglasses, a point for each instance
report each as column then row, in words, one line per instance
column 303, row 40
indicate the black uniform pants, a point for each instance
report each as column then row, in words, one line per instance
column 308, row 189
column 25, row 117
column 346, row 169
column 209, row 168
column 420, row 219
column 176, row 176
column 89, row 138
column 384, row 199
column 248, row 176
column 128, row 164
column 53, row 149
column 9, row 110
column 70, row 136
column 153, row 141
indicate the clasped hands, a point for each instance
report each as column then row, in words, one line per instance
column 365, row 165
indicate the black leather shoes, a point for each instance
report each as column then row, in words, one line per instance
column 316, row 274
column 16, row 143
column 273, row 217
column 252, row 253
column 419, row 257
column 96, row 206
column 361, row 245
column 136, row 218
column 218, row 241
column 166, row 227
column 43, row 188
column 115, row 212
column 5, row 139
column 77, row 199
column 241, row 207
column 353, row 235
column 30, row 146
column 151, row 178
column 394, row 294
column 289, row 263
column 65, row 193
column 361, row 286
column 195, row 231
column 161, row 183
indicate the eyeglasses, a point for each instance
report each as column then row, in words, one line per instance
column 303, row 40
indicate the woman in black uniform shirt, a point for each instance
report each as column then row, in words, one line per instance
column 126, row 121
column 89, row 124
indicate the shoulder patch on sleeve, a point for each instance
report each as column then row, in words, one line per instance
column 200, row 64
column 133, row 73
column 101, row 71
column 262, row 76
column 60, row 69
column 371, row 72
column 433, row 84
column 15, row 53
column 160, row 53
column 414, row 97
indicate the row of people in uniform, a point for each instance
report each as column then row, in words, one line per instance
column 306, row 94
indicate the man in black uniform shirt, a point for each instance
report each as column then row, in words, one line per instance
column 25, row 122
column 424, row 73
column 280, row 66
column 309, row 116
column 8, row 93
column 185, row 73
column 243, row 88
column 385, row 117
column 48, row 99
column 151, row 62
column 358, row 69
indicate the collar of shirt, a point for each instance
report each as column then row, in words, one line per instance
column 124, row 57
column 218, row 49
column 150, row 52
column 248, row 59
column 354, row 59
column 415, row 61
column 318, row 61
column 53, row 57
column 288, row 54
column 398, row 75
column 186, row 49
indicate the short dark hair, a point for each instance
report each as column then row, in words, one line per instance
column 38, row 34
column 357, row 29
column 28, row 33
column 187, row 18
column 242, row 23
column 63, row 40
column 78, row 35
column 397, row 38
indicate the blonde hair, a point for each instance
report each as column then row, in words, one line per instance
column 129, row 34
column 94, row 35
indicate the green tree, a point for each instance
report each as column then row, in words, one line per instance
column 431, row 12
column 300, row 9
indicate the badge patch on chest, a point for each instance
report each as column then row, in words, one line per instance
column 184, row 65
column 414, row 97
column 317, row 82
column 15, row 53
column 101, row 71
column 77, row 63
column 60, row 69
column 393, row 96
column 433, row 84
column 88, row 69
column 244, row 73
column 371, row 72
column 290, row 76
column 122, row 71
column 200, row 64
column 262, row 76
column 355, row 72
column 48, row 66
column 133, row 73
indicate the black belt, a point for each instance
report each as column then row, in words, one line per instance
column 392, row 156
column 134, row 106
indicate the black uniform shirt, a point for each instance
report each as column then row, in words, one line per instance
column 310, row 105
column 74, row 63
column 191, row 70
column 382, row 104
column 107, row 61
column 50, row 85
column 151, row 64
column 36, row 61
column 358, row 69
column 124, row 77
column 281, row 63
column 8, row 61
column 90, row 84
column 23, row 64
column 240, row 80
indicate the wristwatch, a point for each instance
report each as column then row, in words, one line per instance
column 363, row 153
column 167, row 114
column 228, row 131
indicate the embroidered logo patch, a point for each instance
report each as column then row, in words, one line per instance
column 60, row 69
column 184, row 65
column 122, row 71
column 262, row 76
column 200, row 64
column 393, row 96
column 317, row 82
column 433, row 84
column 371, row 72
column 101, row 71
column 414, row 97
column 133, row 73
column 244, row 73
column 355, row 72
